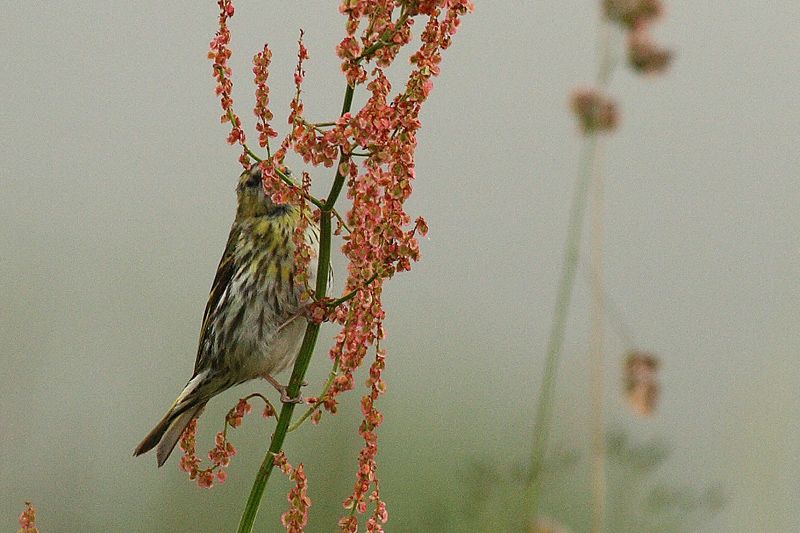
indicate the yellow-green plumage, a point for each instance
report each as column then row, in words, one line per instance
column 253, row 325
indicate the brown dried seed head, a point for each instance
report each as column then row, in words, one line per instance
column 641, row 382
column 644, row 55
column 628, row 13
column 595, row 112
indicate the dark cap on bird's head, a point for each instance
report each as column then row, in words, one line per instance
column 252, row 200
column 251, row 179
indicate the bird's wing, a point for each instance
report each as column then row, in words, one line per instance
column 225, row 271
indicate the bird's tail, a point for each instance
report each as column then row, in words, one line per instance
column 168, row 431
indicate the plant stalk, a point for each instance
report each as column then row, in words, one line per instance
column 307, row 348
column 555, row 342
column 596, row 344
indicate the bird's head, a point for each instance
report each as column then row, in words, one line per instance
column 251, row 198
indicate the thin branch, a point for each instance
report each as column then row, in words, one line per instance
column 613, row 312
column 349, row 296
column 341, row 220
column 544, row 408
column 250, row 152
column 316, row 126
column 307, row 348
column 596, row 347
column 385, row 39
column 311, row 410
column 556, row 338
column 264, row 398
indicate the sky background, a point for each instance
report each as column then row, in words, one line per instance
column 116, row 196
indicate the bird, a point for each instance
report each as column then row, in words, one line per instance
column 254, row 321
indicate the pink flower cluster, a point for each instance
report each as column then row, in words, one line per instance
column 190, row 462
column 219, row 54
column 382, row 238
column 272, row 168
column 303, row 253
column 296, row 518
column 382, row 39
column 27, row 519
column 261, row 63
column 220, row 456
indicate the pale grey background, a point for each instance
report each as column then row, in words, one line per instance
column 116, row 196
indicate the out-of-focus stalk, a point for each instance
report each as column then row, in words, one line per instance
column 596, row 344
column 587, row 168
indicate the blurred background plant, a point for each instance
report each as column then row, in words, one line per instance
column 597, row 115
column 495, row 496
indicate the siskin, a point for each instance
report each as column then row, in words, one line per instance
column 253, row 324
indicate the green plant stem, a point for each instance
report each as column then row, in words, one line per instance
column 310, row 411
column 596, row 346
column 556, row 339
column 612, row 312
column 386, row 38
column 312, row 329
column 544, row 408
column 597, row 337
column 307, row 348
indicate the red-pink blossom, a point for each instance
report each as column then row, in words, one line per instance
column 296, row 518
column 27, row 519
column 220, row 53
column 222, row 452
column 261, row 63
column 373, row 150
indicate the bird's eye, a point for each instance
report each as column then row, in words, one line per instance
column 254, row 180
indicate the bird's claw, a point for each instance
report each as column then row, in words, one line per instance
column 285, row 398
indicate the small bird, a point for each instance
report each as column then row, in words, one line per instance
column 254, row 323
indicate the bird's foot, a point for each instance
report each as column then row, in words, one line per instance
column 285, row 398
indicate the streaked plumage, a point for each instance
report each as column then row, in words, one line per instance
column 252, row 326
